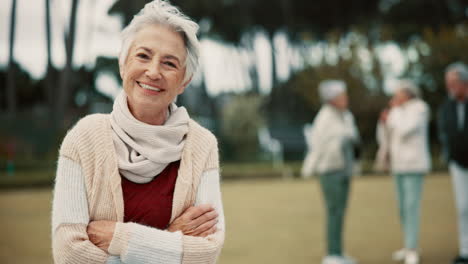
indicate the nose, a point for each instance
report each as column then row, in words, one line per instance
column 153, row 71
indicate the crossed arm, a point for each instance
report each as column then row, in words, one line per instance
column 197, row 234
column 197, row 221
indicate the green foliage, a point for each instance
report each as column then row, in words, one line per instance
column 230, row 19
column 127, row 9
column 407, row 18
column 241, row 119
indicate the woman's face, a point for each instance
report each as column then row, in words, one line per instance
column 454, row 85
column 340, row 101
column 400, row 97
column 154, row 69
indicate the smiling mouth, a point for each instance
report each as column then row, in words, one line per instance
column 149, row 87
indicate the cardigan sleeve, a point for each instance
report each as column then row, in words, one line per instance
column 136, row 243
column 70, row 218
column 207, row 249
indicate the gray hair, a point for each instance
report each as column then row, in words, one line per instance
column 161, row 12
column 460, row 68
column 330, row 89
column 409, row 87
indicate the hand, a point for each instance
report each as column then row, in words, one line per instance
column 384, row 115
column 100, row 233
column 196, row 221
column 394, row 102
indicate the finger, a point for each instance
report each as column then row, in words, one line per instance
column 196, row 211
column 191, row 225
column 204, row 227
column 94, row 227
column 209, row 232
column 203, row 219
column 92, row 237
column 90, row 228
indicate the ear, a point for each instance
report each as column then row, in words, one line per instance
column 184, row 85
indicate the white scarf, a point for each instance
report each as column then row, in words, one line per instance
column 144, row 150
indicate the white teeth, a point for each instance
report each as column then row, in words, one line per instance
column 149, row 87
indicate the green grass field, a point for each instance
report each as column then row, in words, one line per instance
column 270, row 221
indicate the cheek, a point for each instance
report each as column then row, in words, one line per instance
column 177, row 81
column 126, row 81
column 132, row 70
column 128, row 84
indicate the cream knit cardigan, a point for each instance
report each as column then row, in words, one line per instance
column 88, row 187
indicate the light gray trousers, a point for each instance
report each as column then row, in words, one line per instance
column 409, row 191
column 460, row 189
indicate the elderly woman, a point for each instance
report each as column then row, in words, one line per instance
column 142, row 184
column 332, row 139
column 406, row 123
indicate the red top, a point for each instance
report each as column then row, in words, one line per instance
column 150, row 203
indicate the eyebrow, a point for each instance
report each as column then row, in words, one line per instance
column 172, row 57
column 145, row 49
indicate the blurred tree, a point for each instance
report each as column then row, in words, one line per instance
column 127, row 9
column 236, row 21
column 26, row 89
column 49, row 85
column 10, row 85
column 233, row 21
column 64, row 94
column 241, row 119
column 404, row 20
column 286, row 112
column 108, row 64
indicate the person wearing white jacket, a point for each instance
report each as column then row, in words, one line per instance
column 331, row 141
column 406, row 123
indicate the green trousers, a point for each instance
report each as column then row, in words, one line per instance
column 409, row 190
column 335, row 188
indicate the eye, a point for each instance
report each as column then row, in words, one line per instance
column 142, row 56
column 171, row 64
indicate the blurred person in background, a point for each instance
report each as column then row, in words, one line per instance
column 453, row 134
column 332, row 140
column 141, row 185
column 406, row 122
